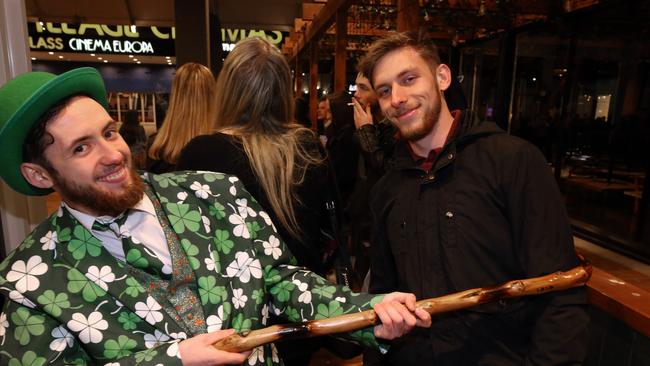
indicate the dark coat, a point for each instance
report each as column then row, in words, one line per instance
column 487, row 212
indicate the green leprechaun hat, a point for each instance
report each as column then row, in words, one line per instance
column 23, row 100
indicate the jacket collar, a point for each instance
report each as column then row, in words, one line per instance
column 469, row 129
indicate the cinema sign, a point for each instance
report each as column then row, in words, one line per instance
column 123, row 39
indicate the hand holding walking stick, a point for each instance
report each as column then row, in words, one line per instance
column 558, row 281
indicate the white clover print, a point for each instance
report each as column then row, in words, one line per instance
column 267, row 219
column 240, row 229
column 89, row 329
column 274, row 353
column 206, row 223
column 18, row 297
column 179, row 335
column 272, row 247
column 49, row 240
column 173, row 350
column 210, row 263
column 62, row 339
column 256, row 355
column 265, row 314
column 182, row 196
column 152, row 340
column 24, row 274
column 101, row 277
column 215, row 322
column 201, row 190
column 149, row 311
column 238, row 298
column 4, row 324
column 233, row 189
column 305, row 296
column 243, row 267
column 243, row 209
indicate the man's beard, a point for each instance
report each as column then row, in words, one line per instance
column 429, row 121
column 101, row 202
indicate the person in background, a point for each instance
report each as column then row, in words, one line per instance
column 280, row 162
column 466, row 205
column 323, row 117
column 134, row 135
column 190, row 113
column 143, row 269
column 374, row 133
column 341, row 148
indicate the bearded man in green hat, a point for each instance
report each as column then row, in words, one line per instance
column 141, row 268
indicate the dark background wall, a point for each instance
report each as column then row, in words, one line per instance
column 120, row 77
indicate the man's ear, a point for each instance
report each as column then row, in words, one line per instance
column 36, row 175
column 443, row 74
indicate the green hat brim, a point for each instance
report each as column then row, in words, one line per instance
column 85, row 80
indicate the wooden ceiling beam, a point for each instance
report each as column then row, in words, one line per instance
column 322, row 21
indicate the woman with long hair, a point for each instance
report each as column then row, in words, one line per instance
column 190, row 113
column 279, row 161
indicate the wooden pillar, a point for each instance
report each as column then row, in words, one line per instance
column 408, row 15
column 313, row 80
column 340, row 50
column 198, row 34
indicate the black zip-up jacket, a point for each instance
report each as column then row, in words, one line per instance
column 489, row 211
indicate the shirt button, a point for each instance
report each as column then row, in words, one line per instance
column 431, row 176
column 449, row 214
column 450, row 156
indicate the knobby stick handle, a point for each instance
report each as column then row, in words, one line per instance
column 558, row 281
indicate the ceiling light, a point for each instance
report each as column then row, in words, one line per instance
column 50, row 53
column 130, row 56
column 167, row 57
column 139, row 62
column 92, row 55
column 60, row 56
column 105, row 61
column 33, row 58
column 99, row 58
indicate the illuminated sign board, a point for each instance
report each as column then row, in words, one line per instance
column 124, row 39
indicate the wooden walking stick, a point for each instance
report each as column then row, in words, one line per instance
column 558, row 281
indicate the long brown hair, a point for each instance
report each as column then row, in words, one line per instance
column 190, row 112
column 255, row 102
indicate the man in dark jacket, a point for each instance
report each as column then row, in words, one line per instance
column 467, row 205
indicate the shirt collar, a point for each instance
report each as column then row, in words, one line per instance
column 145, row 205
column 456, row 114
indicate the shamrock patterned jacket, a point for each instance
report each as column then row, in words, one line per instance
column 68, row 301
